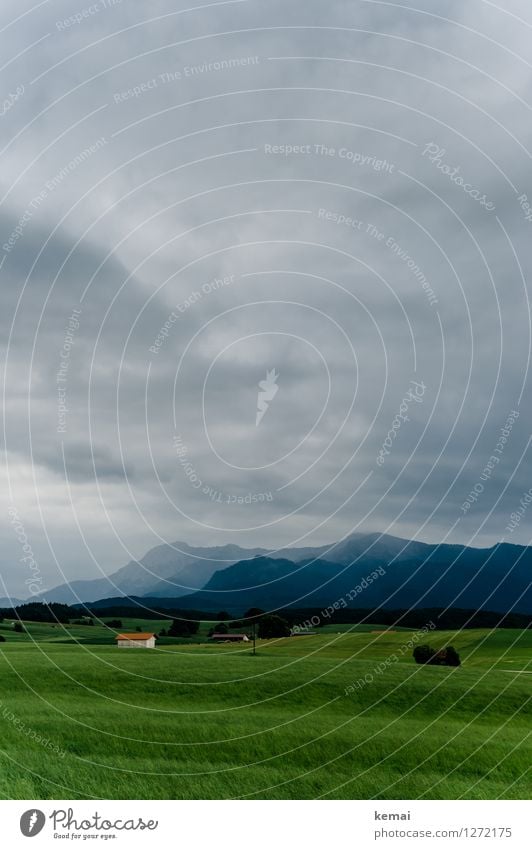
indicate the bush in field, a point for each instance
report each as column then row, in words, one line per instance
column 447, row 657
column 453, row 658
column 444, row 657
column 221, row 628
column 114, row 623
column 2, row 639
column 423, row 654
column 18, row 627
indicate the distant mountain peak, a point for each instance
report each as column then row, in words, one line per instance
column 414, row 574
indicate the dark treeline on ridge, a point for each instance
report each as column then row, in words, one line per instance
column 443, row 619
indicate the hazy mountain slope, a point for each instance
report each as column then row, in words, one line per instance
column 422, row 576
column 164, row 571
column 172, row 570
column 416, row 574
column 11, row 602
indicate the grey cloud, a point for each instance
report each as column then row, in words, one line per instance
column 156, row 231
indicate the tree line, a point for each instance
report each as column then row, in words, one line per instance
column 444, row 619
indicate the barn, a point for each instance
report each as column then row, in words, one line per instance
column 137, row 640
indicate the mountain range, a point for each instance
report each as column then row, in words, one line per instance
column 172, row 570
column 407, row 574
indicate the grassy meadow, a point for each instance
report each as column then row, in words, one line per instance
column 193, row 720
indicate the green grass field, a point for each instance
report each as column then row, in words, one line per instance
column 203, row 721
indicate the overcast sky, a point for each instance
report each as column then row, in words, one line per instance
column 192, row 198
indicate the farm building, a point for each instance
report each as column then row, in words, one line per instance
column 232, row 638
column 135, row 641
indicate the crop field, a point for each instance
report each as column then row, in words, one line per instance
column 345, row 713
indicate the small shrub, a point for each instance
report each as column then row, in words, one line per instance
column 452, row 658
column 423, row 654
column 444, row 657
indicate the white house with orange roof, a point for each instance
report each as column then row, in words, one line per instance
column 138, row 640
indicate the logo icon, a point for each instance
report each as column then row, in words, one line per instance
column 32, row 822
column 267, row 391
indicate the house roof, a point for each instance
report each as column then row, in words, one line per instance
column 136, row 636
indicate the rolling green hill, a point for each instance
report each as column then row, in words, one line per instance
column 299, row 720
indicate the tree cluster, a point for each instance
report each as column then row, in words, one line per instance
column 38, row 611
column 182, row 628
column 444, row 657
